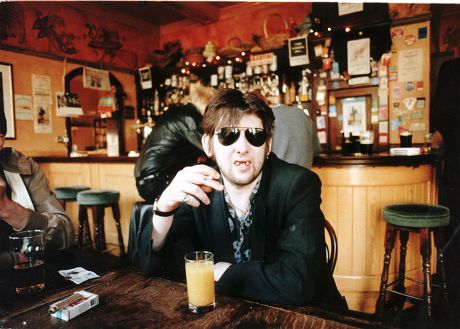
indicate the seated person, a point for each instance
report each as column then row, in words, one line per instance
column 175, row 142
column 260, row 216
column 26, row 203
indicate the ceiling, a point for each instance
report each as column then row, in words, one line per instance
column 161, row 13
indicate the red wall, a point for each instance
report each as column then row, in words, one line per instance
column 240, row 21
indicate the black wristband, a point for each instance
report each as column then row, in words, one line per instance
column 161, row 213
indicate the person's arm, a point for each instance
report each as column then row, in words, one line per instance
column 48, row 214
column 189, row 186
column 293, row 273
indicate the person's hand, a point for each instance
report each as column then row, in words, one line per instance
column 190, row 186
column 3, row 196
column 11, row 212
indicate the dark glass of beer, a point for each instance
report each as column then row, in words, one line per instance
column 29, row 273
column 366, row 141
column 405, row 138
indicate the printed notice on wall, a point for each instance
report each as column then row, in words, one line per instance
column 41, row 89
column 358, row 52
column 410, row 64
column 96, row 79
column 23, row 107
column 42, row 119
column 298, row 51
column 346, row 8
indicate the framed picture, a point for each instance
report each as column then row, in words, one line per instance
column 6, row 98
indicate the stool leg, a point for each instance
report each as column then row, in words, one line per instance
column 82, row 219
column 403, row 237
column 389, row 244
column 89, row 240
column 62, row 203
column 439, row 242
column 116, row 216
column 425, row 251
column 98, row 228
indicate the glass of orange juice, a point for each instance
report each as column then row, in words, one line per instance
column 199, row 272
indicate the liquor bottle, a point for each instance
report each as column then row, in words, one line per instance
column 304, row 89
column 292, row 93
column 156, row 103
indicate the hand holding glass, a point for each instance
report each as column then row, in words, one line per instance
column 199, row 272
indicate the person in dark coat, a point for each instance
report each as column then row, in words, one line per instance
column 175, row 142
column 260, row 216
column 445, row 118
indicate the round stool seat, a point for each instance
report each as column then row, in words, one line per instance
column 97, row 197
column 68, row 192
column 416, row 215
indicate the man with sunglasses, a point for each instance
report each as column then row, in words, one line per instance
column 259, row 215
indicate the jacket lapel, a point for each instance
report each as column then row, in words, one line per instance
column 259, row 225
column 220, row 230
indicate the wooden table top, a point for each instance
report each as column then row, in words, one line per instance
column 127, row 299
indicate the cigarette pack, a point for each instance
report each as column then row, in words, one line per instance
column 74, row 305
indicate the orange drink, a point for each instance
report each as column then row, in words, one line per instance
column 199, row 272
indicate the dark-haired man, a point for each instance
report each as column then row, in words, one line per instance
column 259, row 215
column 26, row 202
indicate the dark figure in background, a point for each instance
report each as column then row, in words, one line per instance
column 175, row 142
column 446, row 119
column 26, row 203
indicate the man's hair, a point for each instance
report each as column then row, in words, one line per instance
column 228, row 106
column 200, row 95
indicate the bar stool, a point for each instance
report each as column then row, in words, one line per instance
column 416, row 218
column 66, row 194
column 97, row 201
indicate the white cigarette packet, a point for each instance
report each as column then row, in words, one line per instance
column 69, row 312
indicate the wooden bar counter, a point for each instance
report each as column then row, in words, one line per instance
column 354, row 191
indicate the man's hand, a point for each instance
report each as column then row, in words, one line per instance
column 190, row 186
column 11, row 212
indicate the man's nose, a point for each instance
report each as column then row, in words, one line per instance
column 241, row 144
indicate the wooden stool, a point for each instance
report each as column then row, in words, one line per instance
column 417, row 218
column 97, row 201
column 66, row 194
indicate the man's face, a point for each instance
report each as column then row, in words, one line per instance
column 240, row 163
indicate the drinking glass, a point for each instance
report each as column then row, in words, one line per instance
column 199, row 272
column 405, row 139
column 29, row 273
column 366, row 141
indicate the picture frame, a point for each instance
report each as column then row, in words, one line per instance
column 7, row 98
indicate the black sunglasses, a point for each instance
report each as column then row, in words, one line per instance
column 229, row 135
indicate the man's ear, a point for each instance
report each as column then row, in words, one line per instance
column 206, row 141
column 2, row 140
column 269, row 145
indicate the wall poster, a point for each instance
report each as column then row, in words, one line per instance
column 354, row 115
column 6, row 98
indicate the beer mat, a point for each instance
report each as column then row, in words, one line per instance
column 78, row 275
column 405, row 150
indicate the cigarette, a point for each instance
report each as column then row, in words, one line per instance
column 69, row 301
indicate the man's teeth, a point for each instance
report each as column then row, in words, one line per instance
column 240, row 163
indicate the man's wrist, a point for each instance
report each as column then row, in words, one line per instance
column 160, row 213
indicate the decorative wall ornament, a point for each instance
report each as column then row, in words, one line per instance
column 452, row 38
column 105, row 40
column 12, row 21
column 52, row 28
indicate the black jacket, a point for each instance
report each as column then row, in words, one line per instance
column 288, row 263
column 174, row 143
